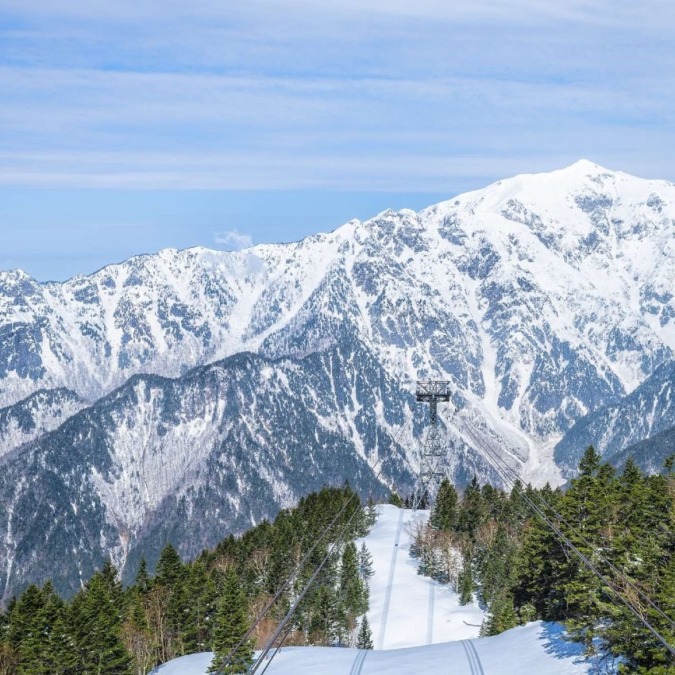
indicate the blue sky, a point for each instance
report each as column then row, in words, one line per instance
column 128, row 126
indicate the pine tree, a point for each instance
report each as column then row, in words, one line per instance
column 365, row 636
column 171, row 576
column 353, row 594
column 365, row 563
column 497, row 566
column 142, row 580
column 465, row 582
column 326, row 624
column 202, row 599
column 395, row 499
column 33, row 646
column 472, row 511
column 444, row 513
column 502, row 616
column 169, row 571
column 371, row 513
column 231, row 624
column 23, row 616
column 97, row 626
column 590, row 504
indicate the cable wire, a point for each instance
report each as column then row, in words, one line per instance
column 261, row 615
column 289, row 615
column 562, row 537
column 560, row 517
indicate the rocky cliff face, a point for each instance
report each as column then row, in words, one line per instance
column 541, row 298
column 647, row 411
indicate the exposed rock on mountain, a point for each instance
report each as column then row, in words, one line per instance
column 542, row 298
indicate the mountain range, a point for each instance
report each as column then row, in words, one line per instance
column 196, row 392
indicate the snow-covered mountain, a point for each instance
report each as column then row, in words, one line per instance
column 541, row 298
column 35, row 415
column 650, row 454
column 645, row 412
column 192, row 459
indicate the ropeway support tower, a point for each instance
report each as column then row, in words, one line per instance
column 432, row 470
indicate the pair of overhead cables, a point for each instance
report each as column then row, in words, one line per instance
column 510, row 477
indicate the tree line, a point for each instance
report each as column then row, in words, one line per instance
column 206, row 604
column 489, row 546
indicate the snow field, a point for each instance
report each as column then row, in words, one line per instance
column 406, row 609
column 418, row 627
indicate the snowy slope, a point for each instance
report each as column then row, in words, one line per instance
column 535, row 649
column 36, row 415
column 415, row 631
column 541, row 297
column 398, row 593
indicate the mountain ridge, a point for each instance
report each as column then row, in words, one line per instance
column 541, row 299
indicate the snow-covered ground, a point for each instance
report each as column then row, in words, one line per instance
column 418, row 627
column 406, row 609
column 535, row 649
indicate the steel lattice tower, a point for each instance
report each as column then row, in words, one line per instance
column 431, row 465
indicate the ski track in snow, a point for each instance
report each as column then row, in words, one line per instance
column 419, row 611
column 473, row 658
column 358, row 662
column 398, row 592
column 392, row 569
column 430, row 616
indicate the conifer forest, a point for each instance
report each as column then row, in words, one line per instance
column 483, row 541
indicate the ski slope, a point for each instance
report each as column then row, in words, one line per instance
column 535, row 649
column 406, row 609
column 418, row 627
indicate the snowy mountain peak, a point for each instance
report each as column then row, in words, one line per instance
column 540, row 297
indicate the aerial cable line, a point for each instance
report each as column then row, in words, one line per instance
column 289, row 615
column 340, row 541
column 261, row 615
column 623, row 577
column 561, row 536
column 297, row 569
column 287, row 632
column 512, row 477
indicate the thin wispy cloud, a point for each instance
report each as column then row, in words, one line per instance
column 342, row 94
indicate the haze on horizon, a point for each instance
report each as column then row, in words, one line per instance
column 130, row 127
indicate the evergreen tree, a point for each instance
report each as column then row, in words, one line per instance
column 171, row 577
column 169, row 571
column 497, row 566
column 502, row 616
column 97, row 627
column 142, row 580
column 465, row 582
column 23, row 616
column 444, row 513
column 365, row 563
column 395, row 499
column 33, row 642
column 353, row 591
column 365, row 636
column 327, row 622
column 589, row 504
column 202, row 599
column 472, row 511
column 231, row 624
